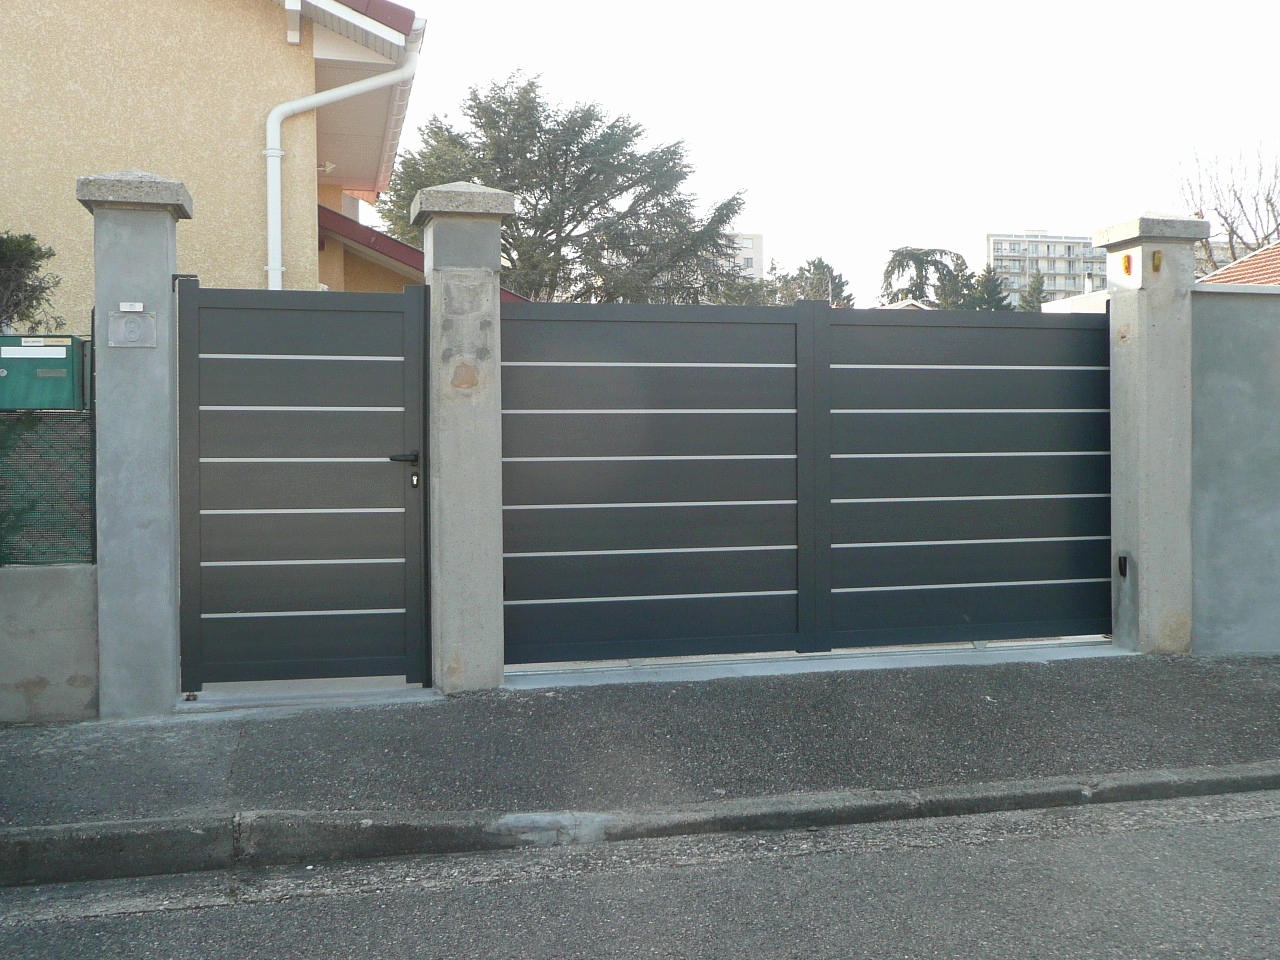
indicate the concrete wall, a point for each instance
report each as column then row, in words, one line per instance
column 1236, row 470
column 48, row 643
column 168, row 86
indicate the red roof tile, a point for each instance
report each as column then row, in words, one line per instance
column 356, row 233
column 1261, row 266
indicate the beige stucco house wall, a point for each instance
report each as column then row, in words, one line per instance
column 172, row 87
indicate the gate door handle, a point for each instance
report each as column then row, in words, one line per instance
column 410, row 457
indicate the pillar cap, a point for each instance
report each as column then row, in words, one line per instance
column 133, row 188
column 461, row 198
column 1151, row 227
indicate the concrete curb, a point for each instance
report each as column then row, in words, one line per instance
column 218, row 840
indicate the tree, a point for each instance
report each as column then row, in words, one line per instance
column 1242, row 200
column 816, row 280
column 1033, row 296
column 990, row 292
column 25, row 290
column 597, row 217
column 927, row 270
column 957, row 290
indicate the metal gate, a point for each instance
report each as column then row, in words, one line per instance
column 694, row 480
column 301, row 433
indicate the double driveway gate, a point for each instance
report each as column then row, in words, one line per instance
column 676, row 480
column 711, row 480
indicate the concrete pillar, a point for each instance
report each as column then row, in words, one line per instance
column 463, row 246
column 135, row 355
column 1150, row 271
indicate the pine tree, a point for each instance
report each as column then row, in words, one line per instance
column 991, row 293
column 598, row 218
column 1033, row 296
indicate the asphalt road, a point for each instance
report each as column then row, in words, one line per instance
column 1188, row 878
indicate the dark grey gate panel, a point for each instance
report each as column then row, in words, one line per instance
column 650, row 480
column 970, row 476
column 302, row 542
column 699, row 480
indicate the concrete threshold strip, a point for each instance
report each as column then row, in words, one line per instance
column 116, row 849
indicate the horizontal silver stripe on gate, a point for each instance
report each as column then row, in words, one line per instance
column 294, row 356
column 293, row 460
column 265, row 510
column 628, row 363
column 712, row 456
column 953, row 543
column 949, row 366
column 664, row 596
column 650, row 550
column 660, row 503
column 989, row 453
column 294, row 563
column 258, row 409
column 964, row 586
column 977, row 410
column 647, row 412
column 300, row 613
column 1011, row 496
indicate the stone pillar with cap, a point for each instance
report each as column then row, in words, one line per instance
column 135, row 219
column 462, row 240
column 1150, row 273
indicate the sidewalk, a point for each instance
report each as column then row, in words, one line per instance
column 583, row 763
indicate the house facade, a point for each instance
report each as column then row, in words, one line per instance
column 184, row 90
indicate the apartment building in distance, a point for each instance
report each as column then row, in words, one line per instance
column 1070, row 265
column 748, row 254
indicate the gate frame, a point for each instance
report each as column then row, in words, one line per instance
column 416, row 310
column 814, row 324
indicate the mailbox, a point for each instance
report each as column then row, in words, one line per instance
column 44, row 373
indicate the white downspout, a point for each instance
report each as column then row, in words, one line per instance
column 275, row 153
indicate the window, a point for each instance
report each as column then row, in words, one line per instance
column 748, row 262
column 997, row 246
column 746, row 243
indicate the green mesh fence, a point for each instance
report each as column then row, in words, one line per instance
column 46, row 487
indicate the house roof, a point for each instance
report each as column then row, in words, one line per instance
column 381, row 248
column 357, row 139
column 1261, row 266
column 379, row 25
column 385, row 12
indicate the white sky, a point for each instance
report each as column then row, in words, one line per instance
column 854, row 128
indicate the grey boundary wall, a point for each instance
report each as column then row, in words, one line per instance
column 1235, row 469
column 48, row 643
column 1195, row 440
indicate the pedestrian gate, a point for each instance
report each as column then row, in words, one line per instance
column 711, row 480
column 301, row 444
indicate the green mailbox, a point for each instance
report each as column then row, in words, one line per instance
column 44, row 373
